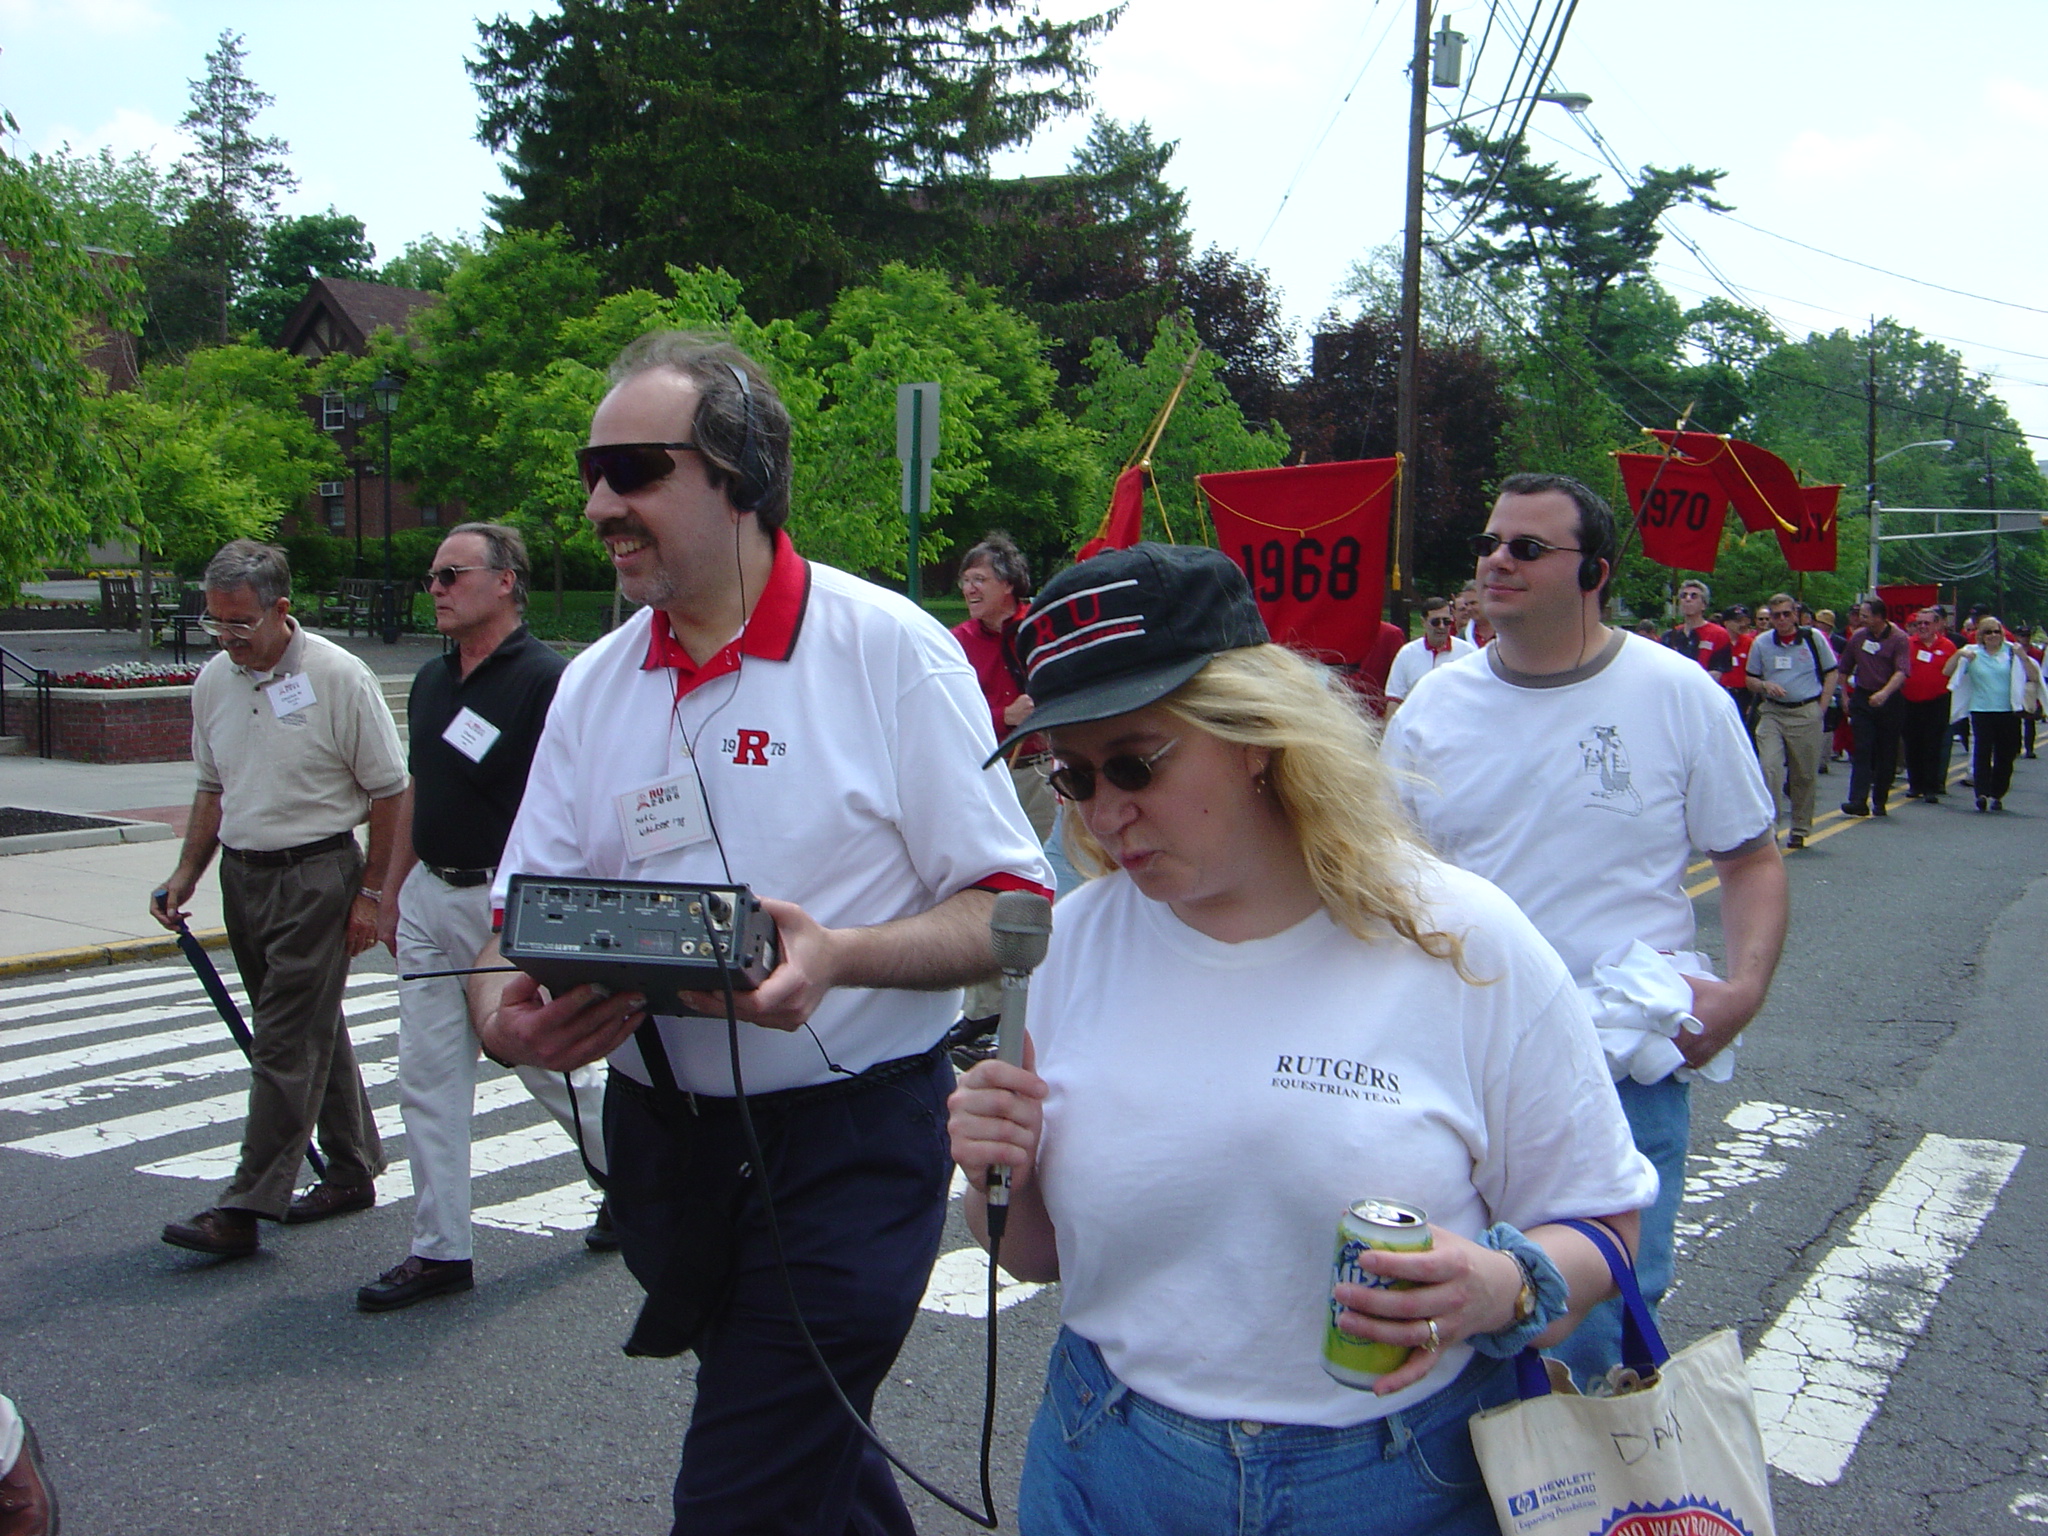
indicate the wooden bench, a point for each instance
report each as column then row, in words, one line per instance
column 355, row 603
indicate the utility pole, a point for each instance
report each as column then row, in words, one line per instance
column 1406, row 427
column 1870, row 446
column 1997, row 550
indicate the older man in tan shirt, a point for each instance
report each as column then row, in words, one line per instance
column 295, row 747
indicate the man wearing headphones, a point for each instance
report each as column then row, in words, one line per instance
column 776, row 723
column 1626, row 760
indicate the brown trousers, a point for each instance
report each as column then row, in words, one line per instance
column 288, row 927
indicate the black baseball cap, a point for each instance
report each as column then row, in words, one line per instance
column 1125, row 629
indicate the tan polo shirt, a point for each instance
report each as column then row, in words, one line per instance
column 297, row 753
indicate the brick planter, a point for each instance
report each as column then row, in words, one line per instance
column 110, row 725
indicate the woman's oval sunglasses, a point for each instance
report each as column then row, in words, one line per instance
column 1127, row 771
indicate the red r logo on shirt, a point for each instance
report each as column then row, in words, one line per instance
column 753, row 749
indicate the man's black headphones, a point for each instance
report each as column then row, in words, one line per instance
column 750, row 481
column 1590, row 573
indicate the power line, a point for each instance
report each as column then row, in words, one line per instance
column 1329, row 127
column 1961, row 293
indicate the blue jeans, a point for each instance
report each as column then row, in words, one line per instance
column 1065, row 877
column 1660, row 1119
column 1105, row 1461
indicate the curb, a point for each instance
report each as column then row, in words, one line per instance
column 87, row 837
column 120, row 952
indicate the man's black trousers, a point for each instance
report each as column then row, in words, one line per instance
column 859, row 1175
column 1925, row 741
column 1874, row 759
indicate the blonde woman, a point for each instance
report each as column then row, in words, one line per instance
column 1270, row 1003
column 1995, row 683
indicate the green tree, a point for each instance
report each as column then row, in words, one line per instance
column 1207, row 432
column 775, row 138
column 59, row 485
column 426, row 263
column 123, row 204
column 295, row 251
column 230, row 180
column 216, row 446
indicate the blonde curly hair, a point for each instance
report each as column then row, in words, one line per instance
column 1324, row 767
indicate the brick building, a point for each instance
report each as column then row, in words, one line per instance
column 340, row 315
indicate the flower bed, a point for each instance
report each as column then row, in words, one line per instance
column 129, row 674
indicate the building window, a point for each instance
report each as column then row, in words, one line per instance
column 336, row 506
column 333, row 412
column 430, row 517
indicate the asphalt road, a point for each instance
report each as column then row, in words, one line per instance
column 1891, row 1087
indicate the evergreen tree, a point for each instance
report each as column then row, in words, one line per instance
column 791, row 141
column 230, row 180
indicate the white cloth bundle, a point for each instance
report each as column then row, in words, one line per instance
column 1641, row 1004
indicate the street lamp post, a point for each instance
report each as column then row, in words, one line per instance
column 1870, row 490
column 1407, row 427
column 386, row 390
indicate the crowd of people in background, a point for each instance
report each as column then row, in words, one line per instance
column 1878, row 691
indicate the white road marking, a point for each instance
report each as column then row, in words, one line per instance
column 565, row 1208
column 959, row 1286
column 1821, row 1371
column 91, row 1090
column 1751, row 1156
column 219, row 1162
column 69, row 998
column 153, row 1124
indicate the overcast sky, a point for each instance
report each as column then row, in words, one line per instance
column 1879, row 130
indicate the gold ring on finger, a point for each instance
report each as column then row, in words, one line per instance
column 1436, row 1341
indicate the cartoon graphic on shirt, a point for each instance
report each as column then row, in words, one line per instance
column 1604, row 756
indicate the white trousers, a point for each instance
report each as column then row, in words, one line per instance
column 442, row 928
column 10, row 1436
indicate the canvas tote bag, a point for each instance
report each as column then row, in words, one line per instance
column 1677, row 1454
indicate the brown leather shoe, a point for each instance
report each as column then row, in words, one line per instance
column 223, row 1233
column 28, row 1505
column 325, row 1200
column 415, row 1280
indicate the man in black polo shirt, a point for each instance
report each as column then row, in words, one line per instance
column 475, row 716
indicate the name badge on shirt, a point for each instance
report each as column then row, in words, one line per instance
column 1781, row 663
column 1872, row 646
column 663, row 816
column 289, row 695
column 471, row 734
column 1923, row 655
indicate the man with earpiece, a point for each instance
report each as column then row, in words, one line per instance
column 816, row 738
column 1625, row 759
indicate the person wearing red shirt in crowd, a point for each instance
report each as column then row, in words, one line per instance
column 996, row 581
column 1698, row 636
column 1924, row 736
column 1370, row 678
column 1741, row 636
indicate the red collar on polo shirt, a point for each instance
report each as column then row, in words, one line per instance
column 769, row 633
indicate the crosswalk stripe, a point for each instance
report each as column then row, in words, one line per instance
column 959, row 1286
column 154, row 1124
column 91, row 1090
column 366, row 1000
column 24, row 1069
column 1821, row 1372
column 565, row 1208
column 68, row 999
column 218, row 1162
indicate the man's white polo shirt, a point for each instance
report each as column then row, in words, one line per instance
column 1415, row 661
column 839, row 739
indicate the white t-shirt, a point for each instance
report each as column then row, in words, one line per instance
column 845, row 777
column 1583, row 794
column 1416, row 660
column 1213, row 1109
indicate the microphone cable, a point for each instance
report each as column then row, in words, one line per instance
column 986, row 1516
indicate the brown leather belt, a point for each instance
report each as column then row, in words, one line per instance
column 277, row 858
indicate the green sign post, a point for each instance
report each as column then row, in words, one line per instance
column 917, row 444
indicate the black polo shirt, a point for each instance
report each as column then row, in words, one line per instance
column 462, row 810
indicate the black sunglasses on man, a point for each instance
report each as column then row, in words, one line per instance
column 628, row 467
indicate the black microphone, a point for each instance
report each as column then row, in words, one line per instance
column 1019, row 929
